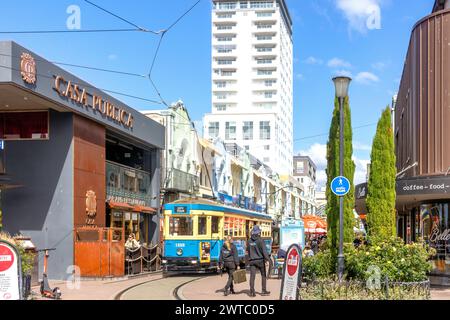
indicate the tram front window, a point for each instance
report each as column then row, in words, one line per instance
column 202, row 226
column 181, row 226
column 215, row 225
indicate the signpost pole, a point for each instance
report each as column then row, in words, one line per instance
column 340, row 256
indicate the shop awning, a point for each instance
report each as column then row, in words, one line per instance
column 144, row 209
column 314, row 225
column 120, row 205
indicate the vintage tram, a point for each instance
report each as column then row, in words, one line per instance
column 194, row 231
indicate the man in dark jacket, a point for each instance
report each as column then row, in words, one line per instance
column 257, row 256
column 229, row 260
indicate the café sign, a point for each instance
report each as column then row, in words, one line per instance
column 438, row 185
column 80, row 95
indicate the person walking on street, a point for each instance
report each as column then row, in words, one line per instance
column 308, row 252
column 229, row 260
column 315, row 245
column 257, row 256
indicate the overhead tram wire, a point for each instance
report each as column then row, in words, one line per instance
column 92, row 87
column 69, row 31
column 155, row 56
column 81, row 66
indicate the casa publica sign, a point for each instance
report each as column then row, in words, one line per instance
column 83, row 97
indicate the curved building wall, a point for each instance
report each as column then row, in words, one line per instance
column 422, row 117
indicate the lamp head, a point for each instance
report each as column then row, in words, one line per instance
column 341, row 85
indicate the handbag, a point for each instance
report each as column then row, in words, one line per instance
column 240, row 276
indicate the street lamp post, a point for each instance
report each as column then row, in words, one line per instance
column 341, row 87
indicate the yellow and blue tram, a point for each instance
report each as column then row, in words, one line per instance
column 194, row 231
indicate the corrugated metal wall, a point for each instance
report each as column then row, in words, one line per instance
column 423, row 106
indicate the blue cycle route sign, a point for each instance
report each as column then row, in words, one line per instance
column 340, row 186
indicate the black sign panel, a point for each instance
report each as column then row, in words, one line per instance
column 361, row 191
column 430, row 185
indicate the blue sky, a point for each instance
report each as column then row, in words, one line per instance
column 330, row 37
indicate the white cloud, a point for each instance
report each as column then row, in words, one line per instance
column 318, row 154
column 112, row 57
column 379, row 66
column 361, row 146
column 313, row 60
column 343, row 73
column 361, row 14
column 360, row 170
column 300, row 76
column 366, row 77
column 338, row 63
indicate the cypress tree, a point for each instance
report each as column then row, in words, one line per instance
column 381, row 187
column 332, row 209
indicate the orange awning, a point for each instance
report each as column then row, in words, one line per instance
column 120, row 205
column 314, row 224
column 144, row 209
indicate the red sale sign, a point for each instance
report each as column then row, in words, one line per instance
column 6, row 258
column 292, row 274
column 9, row 272
column 293, row 262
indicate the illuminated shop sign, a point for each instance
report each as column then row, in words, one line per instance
column 83, row 97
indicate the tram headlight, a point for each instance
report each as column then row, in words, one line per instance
column 164, row 261
column 179, row 252
column 194, row 261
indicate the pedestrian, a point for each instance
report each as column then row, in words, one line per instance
column 308, row 252
column 257, row 256
column 314, row 245
column 229, row 260
column 132, row 243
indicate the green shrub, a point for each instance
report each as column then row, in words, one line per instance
column 322, row 265
column 394, row 259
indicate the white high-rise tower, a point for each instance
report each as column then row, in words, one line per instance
column 252, row 79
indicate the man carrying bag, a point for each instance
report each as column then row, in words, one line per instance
column 257, row 256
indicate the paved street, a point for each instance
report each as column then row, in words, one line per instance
column 211, row 288
column 161, row 289
column 96, row 289
column 187, row 287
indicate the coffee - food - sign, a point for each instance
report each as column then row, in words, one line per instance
column 434, row 185
column 82, row 96
column 10, row 272
column 292, row 274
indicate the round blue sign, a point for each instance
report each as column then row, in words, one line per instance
column 340, row 186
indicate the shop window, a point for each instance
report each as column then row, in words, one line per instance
column 180, row 226
column 24, row 125
column 215, row 225
column 202, row 226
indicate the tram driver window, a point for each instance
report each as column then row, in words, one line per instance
column 180, row 226
column 202, row 226
column 215, row 225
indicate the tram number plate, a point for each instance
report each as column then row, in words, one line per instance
column 180, row 209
